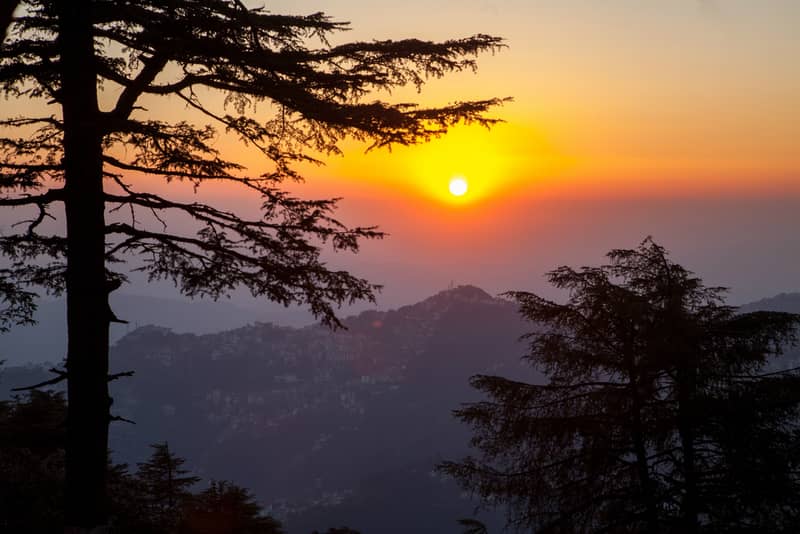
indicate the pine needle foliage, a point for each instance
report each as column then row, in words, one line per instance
column 663, row 411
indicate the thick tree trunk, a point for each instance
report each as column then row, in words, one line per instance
column 87, row 299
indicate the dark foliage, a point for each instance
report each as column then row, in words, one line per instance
column 31, row 463
column 662, row 412
column 224, row 508
column 473, row 526
column 165, row 485
column 155, row 500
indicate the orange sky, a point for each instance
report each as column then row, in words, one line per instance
column 677, row 118
column 674, row 118
column 611, row 98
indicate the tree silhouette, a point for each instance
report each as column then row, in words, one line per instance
column 100, row 64
column 154, row 500
column 224, row 508
column 129, row 504
column 31, row 462
column 165, row 485
column 473, row 526
column 661, row 413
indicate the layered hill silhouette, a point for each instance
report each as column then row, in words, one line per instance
column 783, row 302
column 328, row 428
column 320, row 424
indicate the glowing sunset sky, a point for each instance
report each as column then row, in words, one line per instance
column 610, row 96
column 673, row 118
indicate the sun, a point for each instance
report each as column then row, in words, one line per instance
column 458, row 186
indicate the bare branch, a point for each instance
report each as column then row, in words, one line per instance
column 113, row 418
column 60, row 377
column 117, row 376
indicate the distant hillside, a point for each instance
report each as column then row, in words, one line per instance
column 784, row 302
column 328, row 428
column 46, row 340
column 320, row 424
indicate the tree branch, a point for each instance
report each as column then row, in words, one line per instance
column 61, row 376
column 127, row 99
column 113, row 418
column 117, row 376
column 29, row 200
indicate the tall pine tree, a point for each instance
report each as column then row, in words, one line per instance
column 274, row 81
column 661, row 412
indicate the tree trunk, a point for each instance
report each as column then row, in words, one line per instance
column 87, row 298
column 640, row 450
column 638, row 433
column 687, row 378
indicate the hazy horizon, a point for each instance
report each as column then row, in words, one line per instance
column 309, row 152
column 676, row 120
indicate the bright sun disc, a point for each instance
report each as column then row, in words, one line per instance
column 458, row 186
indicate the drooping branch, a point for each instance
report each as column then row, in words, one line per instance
column 29, row 200
column 248, row 129
column 287, row 270
column 28, row 267
column 174, row 150
column 29, row 161
column 169, row 173
column 18, row 302
column 298, row 216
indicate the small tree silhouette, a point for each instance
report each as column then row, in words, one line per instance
column 225, row 508
column 83, row 156
column 165, row 485
column 473, row 526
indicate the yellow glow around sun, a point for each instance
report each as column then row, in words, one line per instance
column 493, row 163
column 496, row 162
column 458, row 186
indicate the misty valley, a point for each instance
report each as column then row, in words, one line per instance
column 328, row 428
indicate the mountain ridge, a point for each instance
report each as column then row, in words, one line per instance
column 300, row 403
